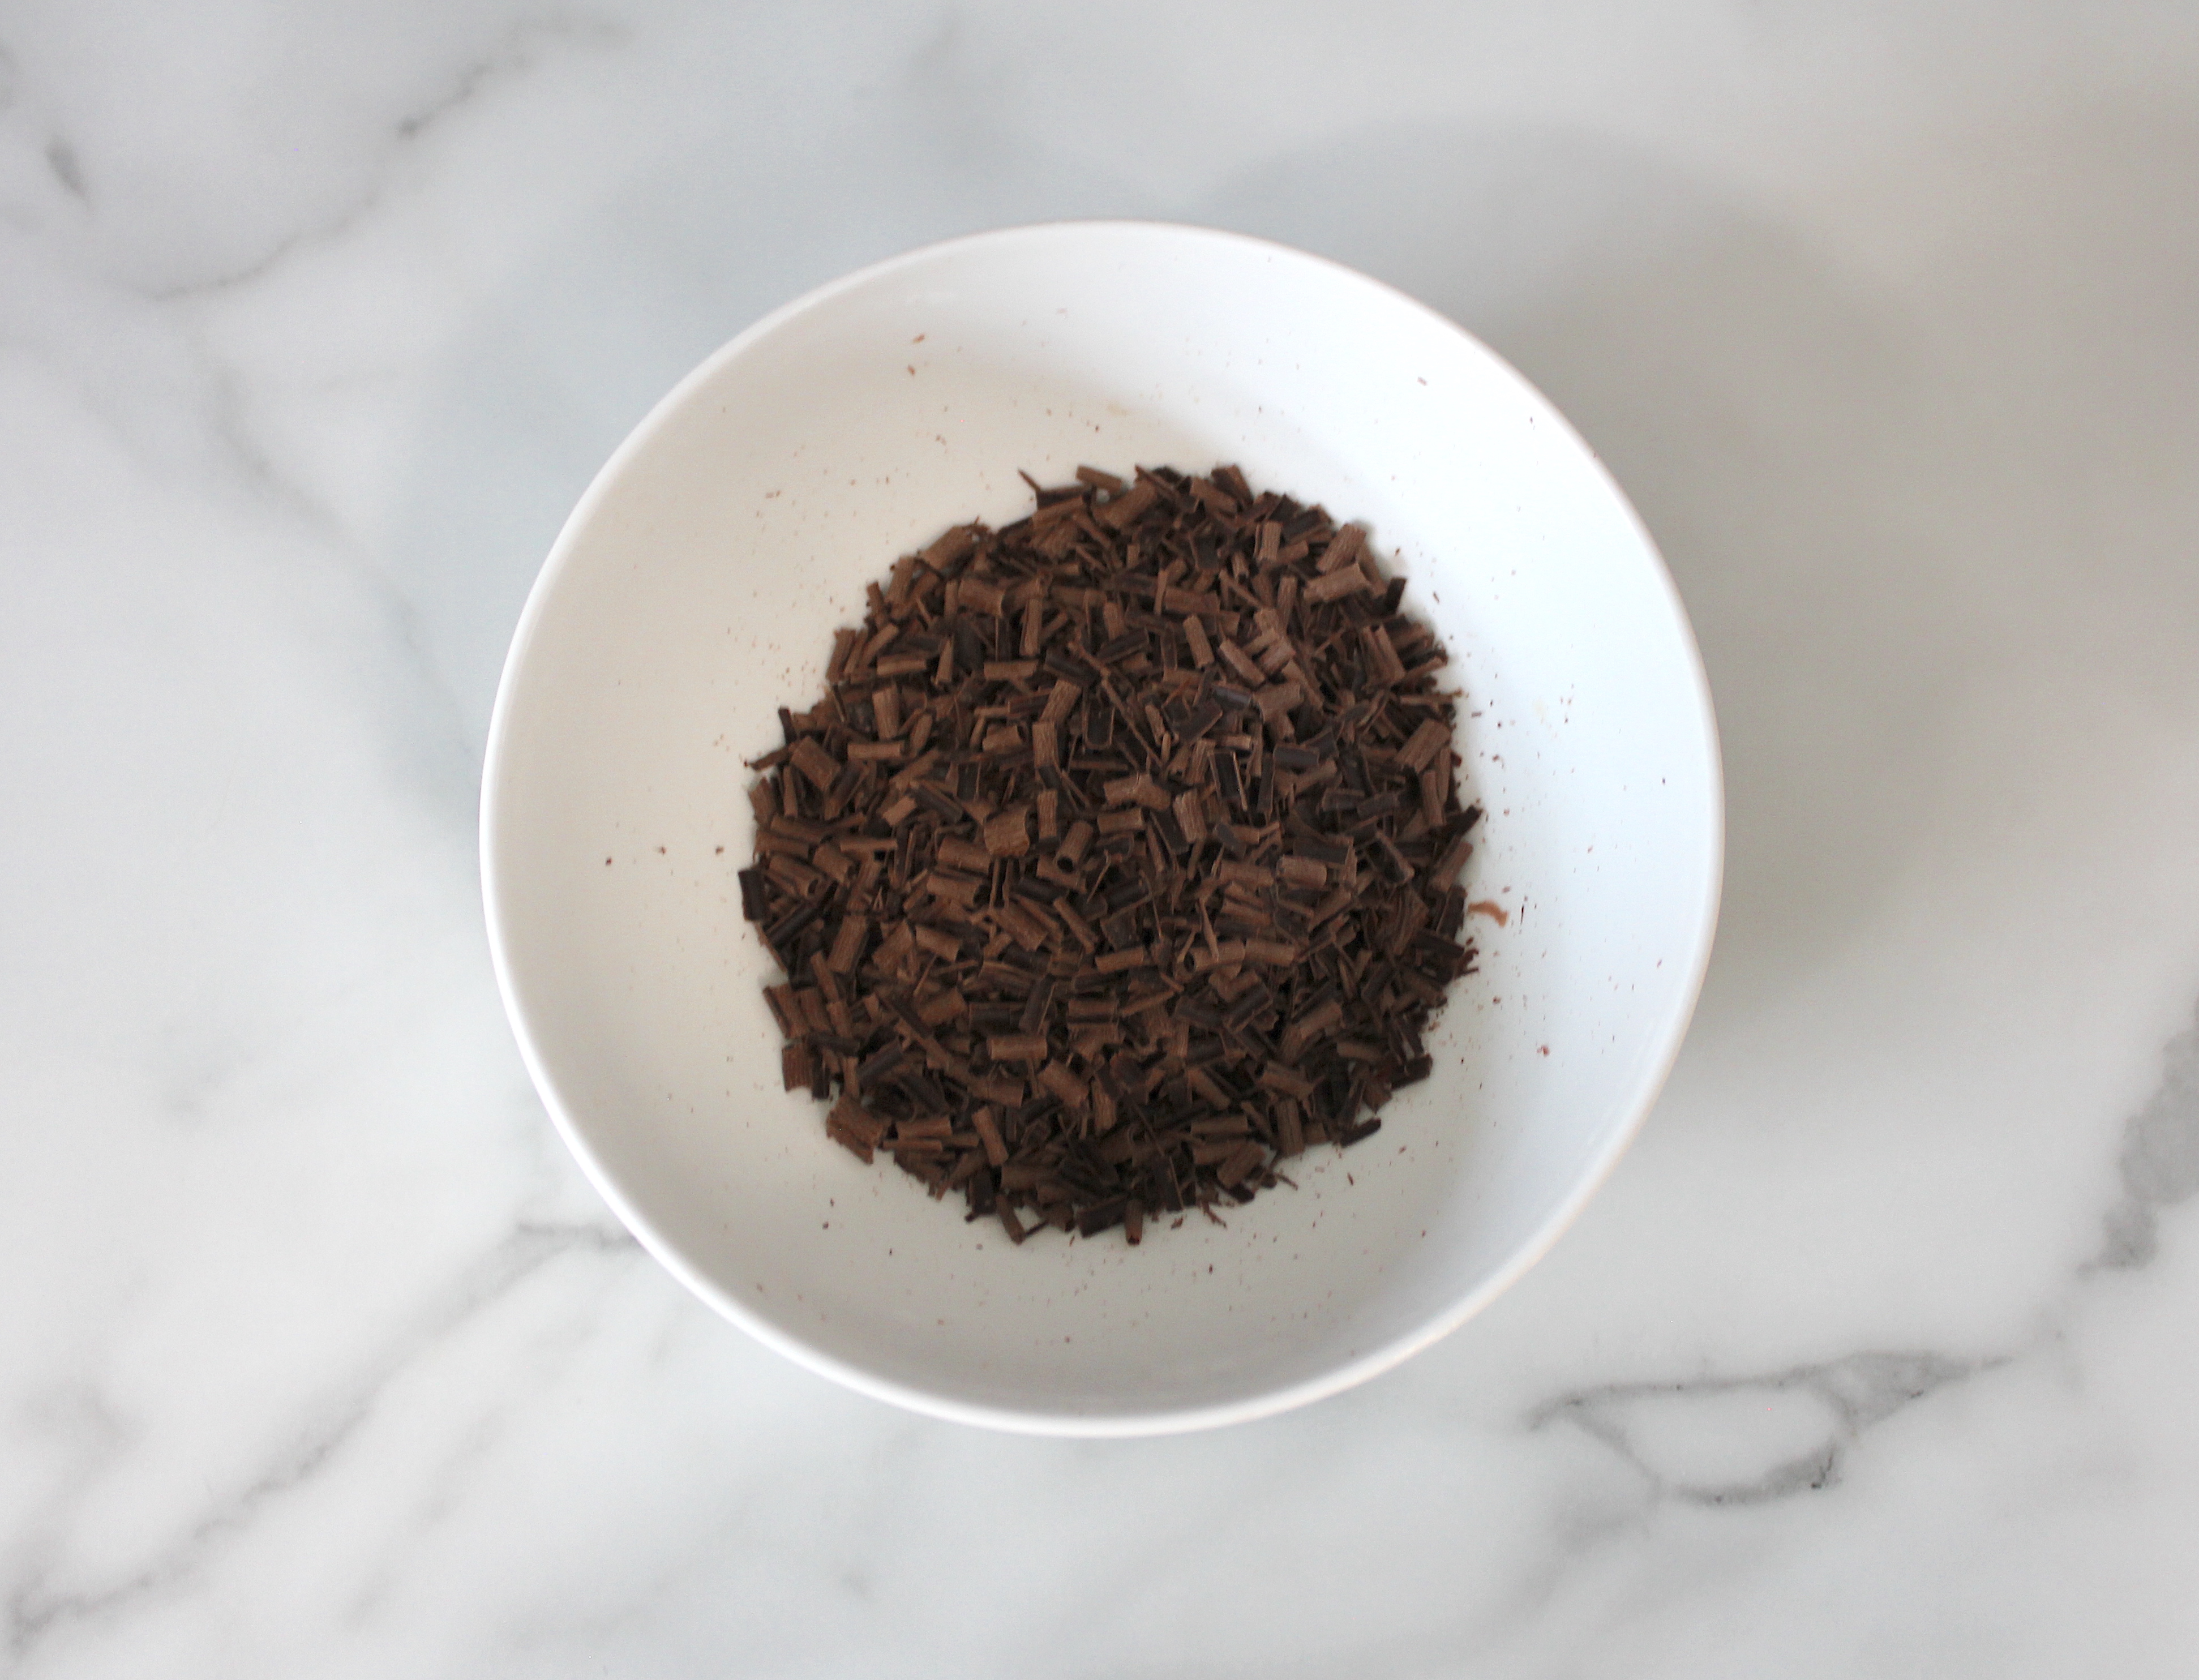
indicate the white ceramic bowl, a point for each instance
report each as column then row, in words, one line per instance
column 695, row 590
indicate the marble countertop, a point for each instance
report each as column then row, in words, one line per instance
column 318, row 1356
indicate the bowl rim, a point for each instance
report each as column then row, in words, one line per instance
column 1166, row 1420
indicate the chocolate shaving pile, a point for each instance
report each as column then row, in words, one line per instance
column 1119, row 861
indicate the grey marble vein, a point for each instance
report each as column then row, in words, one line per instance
column 68, row 169
column 1857, row 1393
column 36, row 1611
column 2159, row 1169
column 229, row 424
column 519, row 50
column 2159, row 1163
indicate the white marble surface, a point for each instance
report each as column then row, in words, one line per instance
column 317, row 1356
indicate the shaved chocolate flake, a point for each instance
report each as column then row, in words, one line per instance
column 1228, row 779
column 963, row 854
column 982, row 595
column 1008, row 834
column 1202, row 649
column 848, row 944
column 814, row 761
column 1190, row 817
column 952, row 546
column 1140, row 789
column 1343, row 548
column 1241, row 663
column 1432, row 738
column 988, row 1134
column 1119, row 860
column 879, row 1066
column 755, row 894
column 1334, row 586
column 794, row 1066
column 1071, row 1090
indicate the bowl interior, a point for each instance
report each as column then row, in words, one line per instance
column 695, row 591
